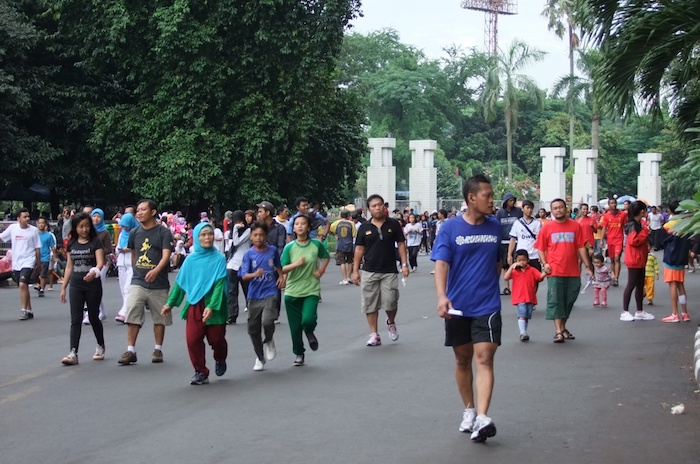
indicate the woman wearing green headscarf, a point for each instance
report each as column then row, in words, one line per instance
column 203, row 279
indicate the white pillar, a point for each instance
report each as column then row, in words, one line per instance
column 552, row 177
column 423, row 175
column 649, row 180
column 381, row 173
column 585, row 182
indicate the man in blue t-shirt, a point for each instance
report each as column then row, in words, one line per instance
column 467, row 265
column 48, row 249
column 317, row 220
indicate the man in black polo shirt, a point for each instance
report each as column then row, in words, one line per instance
column 378, row 280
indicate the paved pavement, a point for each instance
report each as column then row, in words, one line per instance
column 605, row 397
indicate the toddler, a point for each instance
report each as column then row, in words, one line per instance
column 601, row 281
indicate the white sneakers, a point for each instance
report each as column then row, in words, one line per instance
column 468, row 418
column 344, row 282
column 99, row 353
column 259, row 365
column 483, row 428
column 627, row 316
column 71, row 359
column 269, row 350
column 393, row 333
column 374, row 339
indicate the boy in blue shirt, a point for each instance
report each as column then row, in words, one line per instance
column 48, row 248
column 261, row 263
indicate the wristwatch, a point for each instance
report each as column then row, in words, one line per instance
column 404, row 264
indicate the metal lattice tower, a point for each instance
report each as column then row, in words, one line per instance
column 491, row 8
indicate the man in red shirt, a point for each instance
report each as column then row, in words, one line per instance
column 589, row 225
column 559, row 243
column 613, row 234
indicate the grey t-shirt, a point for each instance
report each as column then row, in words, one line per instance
column 148, row 246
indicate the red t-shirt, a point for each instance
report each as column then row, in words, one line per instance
column 587, row 223
column 615, row 226
column 524, row 283
column 560, row 243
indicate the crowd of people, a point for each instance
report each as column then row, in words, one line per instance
column 271, row 255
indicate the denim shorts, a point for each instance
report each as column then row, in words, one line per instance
column 525, row 310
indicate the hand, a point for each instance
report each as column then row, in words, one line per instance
column 165, row 310
column 206, row 314
column 151, row 276
column 281, row 282
column 443, row 305
column 63, row 295
column 512, row 264
column 510, row 259
column 319, row 273
column 405, row 271
column 356, row 278
column 590, row 273
column 547, row 269
column 89, row 277
column 259, row 272
column 301, row 261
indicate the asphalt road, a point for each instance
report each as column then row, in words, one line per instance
column 605, row 397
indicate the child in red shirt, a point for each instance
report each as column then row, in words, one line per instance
column 524, row 296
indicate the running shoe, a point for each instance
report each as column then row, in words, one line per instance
column 685, row 317
column 671, row 318
column 643, row 316
column 25, row 315
column 199, row 379
column 127, row 358
column 313, row 341
column 393, row 333
column 626, row 316
column 524, row 337
column 220, row 368
column 86, row 319
column 102, row 316
column 41, row 294
column 120, row 319
column 259, row 365
column 299, row 360
column 483, row 428
column 157, row 356
column 71, row 359
column 99, row 353
column 374, row 339
column 468, row 417
column 270, row 350
column 344, row 282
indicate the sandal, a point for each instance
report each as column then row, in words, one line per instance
column 559, row 338
column 506, row 291
column 568, row 335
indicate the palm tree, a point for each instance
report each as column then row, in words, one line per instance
column 576, row 88
column 504, row 83
column 561, row 17
column 649, row 53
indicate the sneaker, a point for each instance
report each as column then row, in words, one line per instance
column 603, row 304
column 596, row 303
column 651, row 303
column 86, row 319
column 524, row 337
column 343, row 282
column 102, row 316
column 626, row 316
column 299, row 360
column 231, row 321
column 270, row 350
column 157, row 356
column 259, row 365
column 199, row 379
column 120, row 319
column 483, row 429
column 393, row 333
column 245, row 310
column 468, row 417
column 615, row 283
column 691, row 269
column 313, row 341
column 643, row 316
column 277, row 321
column 671, row 318
column 432, row 272
column 129, row 357
column 99, row 353
column 41, row 294
column 685, row 317
column 220, row 368
column 71, row 359
column 25, row 315
column 50, row 289
column 374, row 339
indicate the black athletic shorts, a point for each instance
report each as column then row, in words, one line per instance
column 44, row 269
column 462, row 330
column 24, row 276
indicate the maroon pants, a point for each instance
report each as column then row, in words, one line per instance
column 196, row 330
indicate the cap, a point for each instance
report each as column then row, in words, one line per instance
column 267, row 206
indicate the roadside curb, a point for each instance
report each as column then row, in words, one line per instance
column 697, row 356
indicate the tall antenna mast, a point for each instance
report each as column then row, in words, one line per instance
column 491, row 8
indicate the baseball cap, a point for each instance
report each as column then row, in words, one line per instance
column 267, row 206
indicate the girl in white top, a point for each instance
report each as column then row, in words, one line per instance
column 414, row 232
column 237, row 243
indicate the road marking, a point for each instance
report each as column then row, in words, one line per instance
column 26, row 377
column 20, row 395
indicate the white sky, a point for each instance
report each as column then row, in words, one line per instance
column 431, row 25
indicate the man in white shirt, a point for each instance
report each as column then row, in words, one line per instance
column 524, row 233
column 26, row 258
